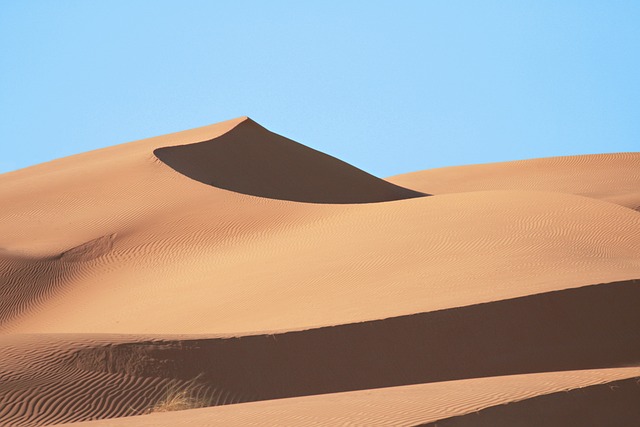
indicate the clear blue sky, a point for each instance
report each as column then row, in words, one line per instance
column 390, row 87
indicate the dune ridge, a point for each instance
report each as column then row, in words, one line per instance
column 614, row 177
column 613, row 403
column 251, row 160
column 272, row 281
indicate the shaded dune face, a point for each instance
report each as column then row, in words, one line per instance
column 553, row 332
column 252, row 160
column 614, row 404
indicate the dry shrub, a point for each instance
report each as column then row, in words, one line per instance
column 180, row 398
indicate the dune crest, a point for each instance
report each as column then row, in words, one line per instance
column 613, row 177
column 252, row 160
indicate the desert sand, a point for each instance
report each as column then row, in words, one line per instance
column 227, row 275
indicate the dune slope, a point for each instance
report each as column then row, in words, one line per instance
column 326, row 265
column 585, row 328
column 614, row 177
column 406, row 406
column 614, row 403
column 251, row 160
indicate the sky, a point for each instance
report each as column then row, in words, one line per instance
column 390, row 87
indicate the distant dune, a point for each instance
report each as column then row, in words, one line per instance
column 233, row 269
column 611, row 177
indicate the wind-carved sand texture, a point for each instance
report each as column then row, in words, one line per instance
column 227, row 275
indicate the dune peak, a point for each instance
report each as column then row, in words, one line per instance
column 252, row 160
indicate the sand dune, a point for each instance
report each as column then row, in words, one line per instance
column 401, row 406
column 585, row 328
column 336, row 264
column 242, row 266
column 251, row 160
column 614, row 403
column 614, row 177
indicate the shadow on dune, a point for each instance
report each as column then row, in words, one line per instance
column 613, row 404
column 584, row 328
column 27, row 282
column 249, row 159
